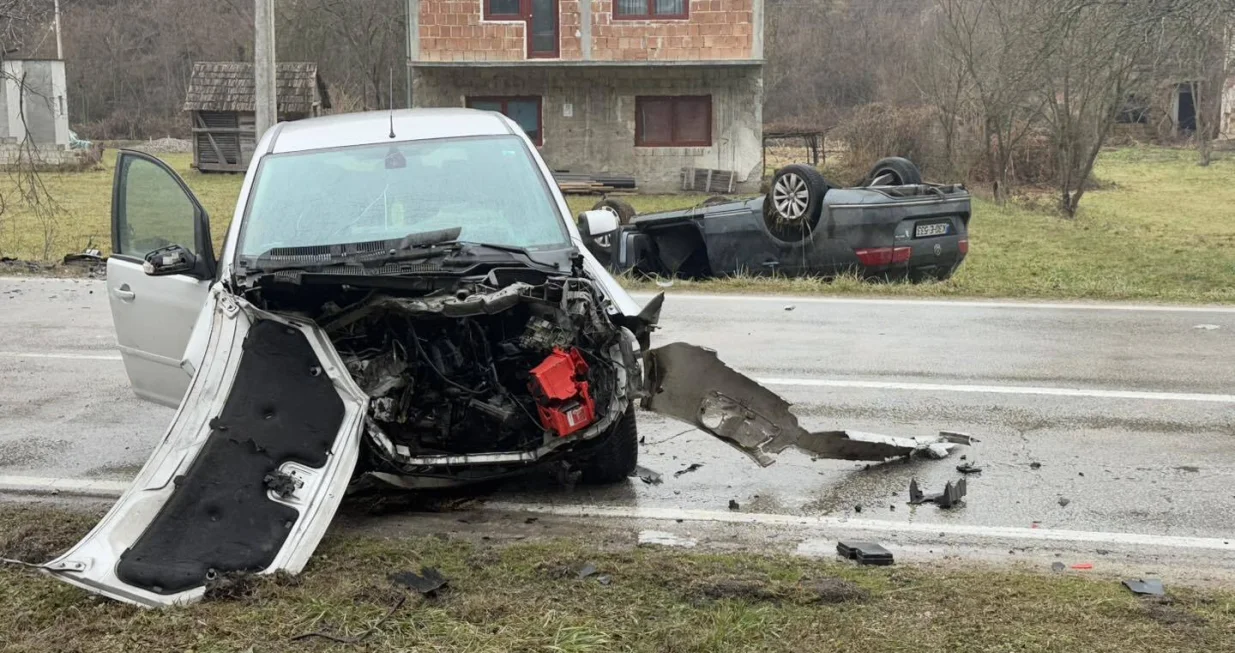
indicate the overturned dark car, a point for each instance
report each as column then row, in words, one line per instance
column 893, row 226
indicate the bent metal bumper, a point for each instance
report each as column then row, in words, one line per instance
column 272, row 399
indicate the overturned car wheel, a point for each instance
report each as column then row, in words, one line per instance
column 623, row 210
column 794, row 202
column 894, row 171
column 614, row 458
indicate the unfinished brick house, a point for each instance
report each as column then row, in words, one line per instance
column 638, row 87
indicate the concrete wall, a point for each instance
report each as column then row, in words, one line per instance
column 588, row 115
column 455, row 30
column 43, row 101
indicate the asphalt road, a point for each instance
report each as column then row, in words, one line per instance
column 1091, row 418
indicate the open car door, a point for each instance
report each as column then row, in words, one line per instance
column 249, row 474
column 161, row 268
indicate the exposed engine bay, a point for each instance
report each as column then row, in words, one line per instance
column 478, row 374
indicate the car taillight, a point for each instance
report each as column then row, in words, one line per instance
column 876, row 256
column 963, row 246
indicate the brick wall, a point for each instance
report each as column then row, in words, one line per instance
column 454, row 30
column 716, row 29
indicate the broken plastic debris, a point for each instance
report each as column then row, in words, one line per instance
column 587, row 570
column 1083, row 566
column 691, row 384
column 428, row 581
column 661, row 538
column 1064, row 501
column 1207, row 327
column 969, row 468
column 951, row 495
column 734, row 505
column 790, row 307
column 1058, row 567
column 956, row 437
column 646, row 475
column 691, row 468
column 864, row 553
column 1145, row 586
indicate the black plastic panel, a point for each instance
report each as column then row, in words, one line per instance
column 282, row 408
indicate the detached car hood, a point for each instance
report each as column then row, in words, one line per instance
column 249, row 474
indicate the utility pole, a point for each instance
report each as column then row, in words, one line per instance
column 264, row 98
column 59, row 43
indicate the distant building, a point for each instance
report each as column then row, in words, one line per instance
column 640, row 87
column 220, row 101
column 35, row 121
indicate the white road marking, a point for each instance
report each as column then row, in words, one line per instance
column 60, row 355
column 967, row 303
column 1140, row 395
column 1004, row 390
column 113, row 489
column 873, row 525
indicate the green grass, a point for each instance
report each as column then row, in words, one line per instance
column 1160, row 230
column 526, row 597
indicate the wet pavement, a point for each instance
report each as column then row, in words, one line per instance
column 1161, row 462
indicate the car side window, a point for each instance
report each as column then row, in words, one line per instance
column 155, row 211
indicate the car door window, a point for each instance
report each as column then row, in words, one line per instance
column 155, row 211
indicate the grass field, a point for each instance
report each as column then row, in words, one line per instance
column 1161, row 230
column 527, row 597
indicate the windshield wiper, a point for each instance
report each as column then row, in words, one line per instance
column 414, row 246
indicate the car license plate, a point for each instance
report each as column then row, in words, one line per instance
column 929, row 230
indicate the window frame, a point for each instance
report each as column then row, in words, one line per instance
column 469, row 100
column 489, row 15
column 674, row 141
column 651, row 12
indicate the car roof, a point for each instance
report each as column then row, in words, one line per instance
column 371, row 127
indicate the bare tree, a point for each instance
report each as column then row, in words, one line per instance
column 1203, row 43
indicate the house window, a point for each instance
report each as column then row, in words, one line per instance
column 651, row 9
column 669, row 121
column 502, row 10
column 525, row 111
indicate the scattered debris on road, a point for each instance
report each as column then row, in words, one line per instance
column 951, row 495
column 661, row 538
column 1083, row 566
column 969, row 468
column 1064, row 501
column 790, row 307
column 734, row 505
column 691, row 468
column 428, row 581
column 1058, row 567
column 1145, row 586
column 1207, row 327
column 647, row 476
column 1035, row 465
column 692, row 384
column 864, row 553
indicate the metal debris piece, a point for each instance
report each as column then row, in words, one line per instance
column 956, row 437
column 969, row 468
column 1035, row 465
column 282, row 484
column 951, row 495
column 428, row 581
column 646, row 475
column 1145, row 586
column 864, row 553
column 691, row 384
column 661, row 538
column 1058, row 567
column 1064, row 501
column 790, row 307
column 733, row 505
column 693, row 467
column 587, row 570
column 604, row 580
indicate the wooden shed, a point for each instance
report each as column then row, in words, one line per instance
column 220, row 99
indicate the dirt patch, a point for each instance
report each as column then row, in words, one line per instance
column 26, row 537
column 805, row 592
column 245, row 586
column 1167, row 613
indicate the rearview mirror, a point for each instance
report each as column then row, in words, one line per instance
column 173, row 259
column 597, row 223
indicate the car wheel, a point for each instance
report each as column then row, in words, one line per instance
column 623, row 210
column 795, row 202
column 894, row 171
column 615, row 457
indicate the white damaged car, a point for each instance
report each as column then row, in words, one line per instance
column 400, row 296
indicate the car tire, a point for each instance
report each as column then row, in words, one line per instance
column 614, row 458
column 625, row 212
column 899, row 170
column 794, row 202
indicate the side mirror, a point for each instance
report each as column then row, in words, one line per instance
column 597, row 223
column 173, row 259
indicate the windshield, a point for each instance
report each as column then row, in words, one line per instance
column 488, row 186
